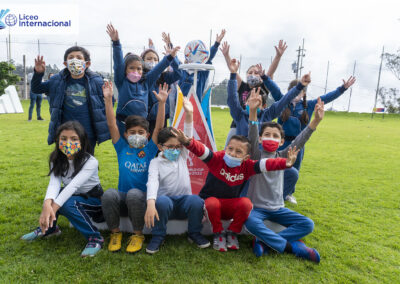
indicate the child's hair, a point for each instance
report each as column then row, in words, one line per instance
column 304, row 119
column 165, row 134
column 58, row 161
column 242, row 139
column 130, row 57
column 143, row 55
column 85, row 52
column 136, row 120
column 272, row 124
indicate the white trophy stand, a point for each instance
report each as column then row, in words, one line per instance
column 177, row 227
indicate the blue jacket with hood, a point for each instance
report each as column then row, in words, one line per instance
column 133, row 97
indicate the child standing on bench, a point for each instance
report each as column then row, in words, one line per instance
column 169, row 193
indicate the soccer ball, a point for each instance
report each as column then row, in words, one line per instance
column 10, row 20
column 196, row 52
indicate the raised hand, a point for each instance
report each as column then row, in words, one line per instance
column 167, row 39
column 306, row 79
column 255, row 99
column 112, row 32
column 172, row 51
column 280, row 49
column 162, row 95
column 181, row 136
column 40, row 65
column 234, row 65
column 346, row 84
column 291, row 156
column 319, row 110
column 220, row 36
column 225, row 48
column 260, row 70
column 187, row 105
column 107, row 90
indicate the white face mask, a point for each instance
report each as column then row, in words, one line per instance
column 76, row 66
column 137, row 141
column 150, row 64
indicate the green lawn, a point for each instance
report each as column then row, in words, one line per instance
column 349, row 186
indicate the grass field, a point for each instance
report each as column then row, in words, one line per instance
column 349, row 185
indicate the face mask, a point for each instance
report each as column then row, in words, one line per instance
column 253, row 80
column 69, row 149
column 137, row 141
column 171, row 154
column 76, row 66
column 270, row 144
column 149, row 65
column 232, row 161
column 248, row 110
column 134, row 77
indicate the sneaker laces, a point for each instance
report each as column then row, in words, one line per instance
column 114, row 239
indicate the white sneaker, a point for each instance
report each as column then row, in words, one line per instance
column 291, row 199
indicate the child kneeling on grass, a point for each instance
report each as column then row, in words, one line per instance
column 266, row 190
column 134, row 158
column 169, row 193
column 78, row 198
column 228, row 172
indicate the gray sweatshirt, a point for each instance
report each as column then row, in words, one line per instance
column 266, row 189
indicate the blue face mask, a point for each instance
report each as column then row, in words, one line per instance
column 171, row 154
column 232, row 161
column 248, row 110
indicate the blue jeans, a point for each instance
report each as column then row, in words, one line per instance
column 77, row 210
column 178, row 207
column 298, row 226
column 291, row 175
column 35, row 98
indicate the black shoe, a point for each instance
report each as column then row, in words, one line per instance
column 40, row 118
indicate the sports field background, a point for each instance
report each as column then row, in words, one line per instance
column 349, row 185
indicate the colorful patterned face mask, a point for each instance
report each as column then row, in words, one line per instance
column 76, row 66
column 69, row 149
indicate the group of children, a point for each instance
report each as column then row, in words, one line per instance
column 154, row 182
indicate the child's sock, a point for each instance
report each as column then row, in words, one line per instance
column 301, row 250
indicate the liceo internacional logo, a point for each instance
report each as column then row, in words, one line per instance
column 40, row 19
column 3, row 12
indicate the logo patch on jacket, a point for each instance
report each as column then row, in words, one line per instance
column 141, row 154
column 231, row 178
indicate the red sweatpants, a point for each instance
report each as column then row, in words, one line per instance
column 219, row 209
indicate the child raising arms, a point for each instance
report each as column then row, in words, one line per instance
column 228, row 172
column 74, row 189
column 134, row 153
column 133, row 87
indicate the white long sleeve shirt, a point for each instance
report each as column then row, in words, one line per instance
column 170, row 178
column 84, row 181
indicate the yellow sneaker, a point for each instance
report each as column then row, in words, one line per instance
column 135, row 243
column 115, row 242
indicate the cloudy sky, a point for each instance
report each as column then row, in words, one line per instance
column 340, row 32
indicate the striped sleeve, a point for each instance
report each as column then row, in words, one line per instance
column 265, row 165
column 200, row 150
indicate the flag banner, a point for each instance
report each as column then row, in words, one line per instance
column 206, row 107
column 197, row 169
